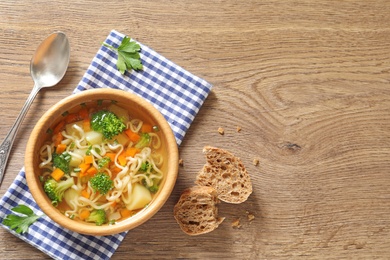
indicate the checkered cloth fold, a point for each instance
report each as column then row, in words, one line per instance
column 175, row 92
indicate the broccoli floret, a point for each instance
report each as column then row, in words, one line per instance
column 107, row 123
column 102, row 163
column 101, row 182
column 55, row 190
column 62, row 161
column 98, row 216
column 144, row 141
column 153, row 188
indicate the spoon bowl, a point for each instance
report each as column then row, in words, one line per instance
column 50, row 61
column 47, row 67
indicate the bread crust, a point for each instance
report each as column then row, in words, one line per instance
column 196, row 212
column 226, row 174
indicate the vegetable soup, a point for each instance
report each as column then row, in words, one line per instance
column 101, row 164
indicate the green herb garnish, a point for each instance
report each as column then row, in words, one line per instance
column 20, row 223
column 62, row 161
column 128, row 55
column 88, row 152
column 145, row 166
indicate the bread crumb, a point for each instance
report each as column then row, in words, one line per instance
column 221, row 131
column 250, row 217
column 238, row 129
column 181, row 162
column 236, row 223
column 256, row 162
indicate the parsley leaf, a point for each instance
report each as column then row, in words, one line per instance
column 62, row 161
column 21, row 223
column 128, row 55
column 129, row 46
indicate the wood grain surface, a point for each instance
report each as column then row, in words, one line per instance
column 307, row 82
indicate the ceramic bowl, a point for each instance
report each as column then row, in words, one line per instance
column 137, row 107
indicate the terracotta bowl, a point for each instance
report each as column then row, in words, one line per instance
column 137, row 107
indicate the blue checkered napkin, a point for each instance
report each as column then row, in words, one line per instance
column 176, row 93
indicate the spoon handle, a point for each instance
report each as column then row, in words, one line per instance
column 6, row 145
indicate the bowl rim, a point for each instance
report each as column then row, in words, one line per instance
column 130, row 223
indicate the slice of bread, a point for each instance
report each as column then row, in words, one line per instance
column 226, row 174
column 196, row 211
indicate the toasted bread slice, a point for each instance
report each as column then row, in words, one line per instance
column 226, row 174
column 196, row 212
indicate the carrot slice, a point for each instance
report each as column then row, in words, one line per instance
column 122, row 159
column 111, row 156
column 60, row 148
column 84, row 214
column 83, row 169
column 86, row 125
column 88, row 159
column 115, row 170
column 57, row 138
column 70, row 118
column 83, row 113
column 125, row 213
column 57, row 174
column 85, row 193
column 134, row 137
column 59, row 127
column 132, row 151
column 91, row 171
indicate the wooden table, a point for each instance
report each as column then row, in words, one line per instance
column 307, row 82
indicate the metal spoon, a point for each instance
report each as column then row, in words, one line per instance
column 47, row 67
